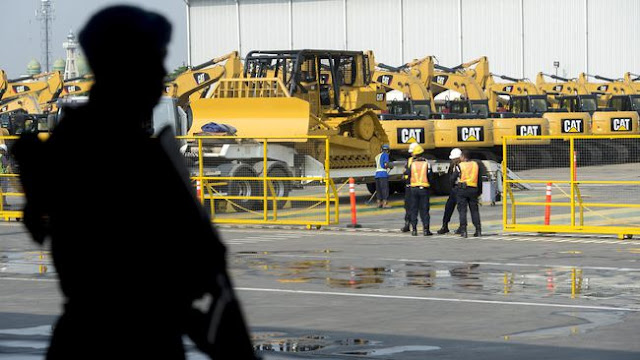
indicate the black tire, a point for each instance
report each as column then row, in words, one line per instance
column 242, row 187
column 396, row 187
column 281, row 188
column 371, row 187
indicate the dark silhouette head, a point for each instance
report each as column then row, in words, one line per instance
column 125, row 47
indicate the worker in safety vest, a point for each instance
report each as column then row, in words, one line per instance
column 454, row 156
column 469, row 188
column 407, row 190
column 419, row 174
column 383, row 165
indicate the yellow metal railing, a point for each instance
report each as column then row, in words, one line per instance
column 266, row 207
column 577, row 201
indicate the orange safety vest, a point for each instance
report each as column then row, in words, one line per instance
column 409, row 162
column 419, row 170
column 469, row 173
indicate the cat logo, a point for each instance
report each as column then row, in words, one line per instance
column 621, row 124
column 508, row 88
column 557, row 88
column 4, row 108
column 385, row 79
column 200, row 77
column 20, row 89
column 441, row 79
column 470, row 133
column 409, row 135
column 603, row 88
column 71, row 88
column 529, row 130
column 380, row 97
column 572, row 126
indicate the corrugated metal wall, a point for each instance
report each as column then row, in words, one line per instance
column 520, row 37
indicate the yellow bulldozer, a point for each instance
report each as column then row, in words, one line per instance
column 302, row 92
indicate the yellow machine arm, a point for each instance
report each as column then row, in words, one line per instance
column 479, row 71
column 605, row 90
column 412, row 79
column 3, row 83
column 516, row 87
column 634, row 81
column 45, row 88
column 199, row 78
column 77, row 86
column 27, row 103
column 450, row 79
column 563, row 87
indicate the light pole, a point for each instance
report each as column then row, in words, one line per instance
column 556, row 64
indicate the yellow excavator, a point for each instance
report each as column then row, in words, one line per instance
column 407, row 120
column 44, row 88
column 79, row 86
column 302, row 92
column 614, row 94
column 196, row 81
column 578, row 113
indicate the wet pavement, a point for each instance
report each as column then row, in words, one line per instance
column 342, row 295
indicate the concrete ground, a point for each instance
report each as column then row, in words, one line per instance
column 380, row 294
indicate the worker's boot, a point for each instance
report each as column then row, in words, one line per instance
column 443, row 230
column 406, row 227
column 458, row 231
column 414, row 230
column 463, row 233
column 426, row 231
column 478, row 232
column 385, row 204
column 379, row 203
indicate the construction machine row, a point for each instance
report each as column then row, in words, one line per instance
column 345, row 95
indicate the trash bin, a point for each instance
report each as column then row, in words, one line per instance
column 489, row 191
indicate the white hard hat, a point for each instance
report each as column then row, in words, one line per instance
column 412, row 146
column 3, row 147
column 455, row 153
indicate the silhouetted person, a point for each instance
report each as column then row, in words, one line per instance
column 131, row 246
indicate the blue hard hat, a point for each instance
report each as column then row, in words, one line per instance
column 385, row 147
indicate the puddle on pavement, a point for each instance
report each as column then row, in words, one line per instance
column 462, row 278
column 280, row 342
column 590, row 319
column 26, row 263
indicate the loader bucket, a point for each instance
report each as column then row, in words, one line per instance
column 255, row 117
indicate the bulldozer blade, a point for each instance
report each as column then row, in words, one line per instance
column 255, row 117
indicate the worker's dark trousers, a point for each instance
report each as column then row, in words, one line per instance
column 450, row 207
column 382, row 188
column 468, row 197
column 420, row 203
column 407, row 204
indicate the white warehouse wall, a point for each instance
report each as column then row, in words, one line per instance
column 520, row 37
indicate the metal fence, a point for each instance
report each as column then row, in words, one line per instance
column 587, row 184
column 263, row 180
column 240, row 180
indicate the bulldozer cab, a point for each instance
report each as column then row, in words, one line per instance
column 579, row 103
column 317, row 76
column 528, row 104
